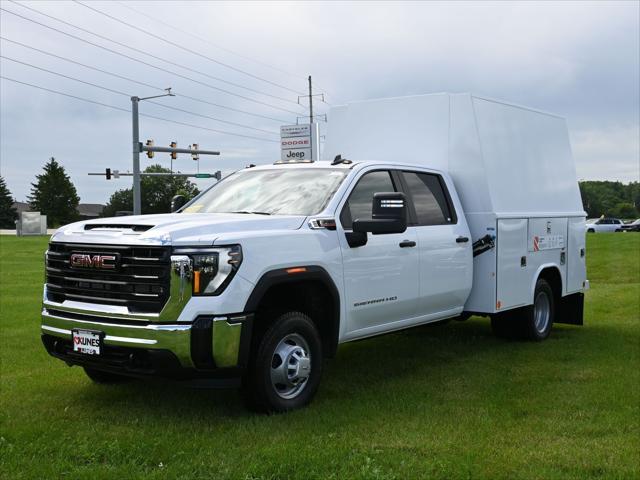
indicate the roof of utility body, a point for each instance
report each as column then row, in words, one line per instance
column 502, row 158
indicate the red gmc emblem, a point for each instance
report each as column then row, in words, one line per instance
column 88, row 260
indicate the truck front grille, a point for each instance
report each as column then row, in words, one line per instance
column 139, row 278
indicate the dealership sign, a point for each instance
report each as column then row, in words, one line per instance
column 295, row 143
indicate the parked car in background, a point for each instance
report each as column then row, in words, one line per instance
column 604, row 225
column 633, row 226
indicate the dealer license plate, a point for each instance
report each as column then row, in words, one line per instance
column 87, row 341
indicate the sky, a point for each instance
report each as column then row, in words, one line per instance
column 246, row 63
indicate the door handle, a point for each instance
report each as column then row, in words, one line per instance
column 462, row 239
column 407, row 243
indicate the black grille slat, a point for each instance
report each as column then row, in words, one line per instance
column 141, row 281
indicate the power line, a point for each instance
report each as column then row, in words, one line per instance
column 122, row 77
column 211, row 118
column 200, row 127
column 202, row 39
column 102, row 87
column 151, row 55
column 65, row 94
column 138, row 60
column 65, row 76
column 230, row 108
column 80, row 64
column 231, row 67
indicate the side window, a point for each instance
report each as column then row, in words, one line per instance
column 361, row 199
column 429, row 198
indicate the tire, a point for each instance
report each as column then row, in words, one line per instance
column 105, row 378
column 504, row 325
column 591, row 230
column 270, row 386
column 538, row 318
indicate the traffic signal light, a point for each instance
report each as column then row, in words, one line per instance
column 107, row 173
column 150, row 144
column 174, row 155
column 195, row 155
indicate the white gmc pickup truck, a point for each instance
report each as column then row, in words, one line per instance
column 433, row 207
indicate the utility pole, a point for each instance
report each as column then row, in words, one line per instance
column 310, row 102
column 135, row 123
column 137, row 203
column 314, row 127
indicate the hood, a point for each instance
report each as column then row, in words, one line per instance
column 172, row 228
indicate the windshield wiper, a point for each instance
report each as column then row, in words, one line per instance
column 253, row 213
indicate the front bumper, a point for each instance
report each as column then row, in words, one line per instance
column 208, row 347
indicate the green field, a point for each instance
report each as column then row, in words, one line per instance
column 447, row 401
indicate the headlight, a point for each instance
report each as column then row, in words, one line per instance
column 211, row 268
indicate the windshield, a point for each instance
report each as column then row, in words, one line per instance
column 271, row 192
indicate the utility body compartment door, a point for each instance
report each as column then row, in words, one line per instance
column 513, row 274
column 576, row 253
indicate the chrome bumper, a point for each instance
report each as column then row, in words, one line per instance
column 226, row 335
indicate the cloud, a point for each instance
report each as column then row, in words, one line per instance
column 605, row 154
column 577, row 59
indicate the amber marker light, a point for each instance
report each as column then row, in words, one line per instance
column 196, row 281
column 291, row 271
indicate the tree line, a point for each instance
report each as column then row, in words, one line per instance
column 54, row 195
column 611, row 199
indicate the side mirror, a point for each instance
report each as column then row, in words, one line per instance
column 389, row 215
column 177, row 202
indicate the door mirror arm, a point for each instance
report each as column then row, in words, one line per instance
column 388, row 215
column 356, row 239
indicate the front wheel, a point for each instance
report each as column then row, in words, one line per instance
column 286, row 366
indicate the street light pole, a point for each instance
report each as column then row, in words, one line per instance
column 137, row 202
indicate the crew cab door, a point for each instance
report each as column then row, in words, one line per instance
column 380, row 277
column 444, row 245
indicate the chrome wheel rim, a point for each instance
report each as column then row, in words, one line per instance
column 542, row 312
column 290, row 366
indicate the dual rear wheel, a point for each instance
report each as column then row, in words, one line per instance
column 530, row 323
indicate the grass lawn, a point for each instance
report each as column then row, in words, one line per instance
column 447, row 401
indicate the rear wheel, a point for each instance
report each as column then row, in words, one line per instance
column 286, row 366
column 538, row 318
column 98, row 376
column 591, row 230
column 529, row 323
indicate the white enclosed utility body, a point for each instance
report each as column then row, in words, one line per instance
column 512, row 168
